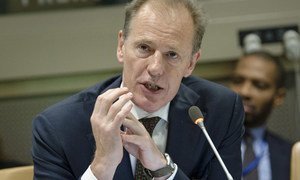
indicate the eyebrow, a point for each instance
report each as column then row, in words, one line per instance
column 143, row 42
column 171, row 48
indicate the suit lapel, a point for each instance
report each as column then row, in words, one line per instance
column 275, row 160
column 182, row 132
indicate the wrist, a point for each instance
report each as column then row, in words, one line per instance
column 159, row 163
column 164, row 172
column 102, row 170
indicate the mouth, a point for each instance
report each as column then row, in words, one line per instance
column 249, row 109
column 152, row 87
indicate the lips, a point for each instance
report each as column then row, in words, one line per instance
column 248, row 108
column 152, row 86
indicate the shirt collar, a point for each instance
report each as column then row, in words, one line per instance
column 258, row 132
column 140, row 113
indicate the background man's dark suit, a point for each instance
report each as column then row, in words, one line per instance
column 63, row 145
column 280, row 165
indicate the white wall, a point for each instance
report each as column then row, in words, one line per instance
column 59, row 41
column 68, row 41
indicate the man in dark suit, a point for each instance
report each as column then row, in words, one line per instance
column 96, row 133
column 259, row 79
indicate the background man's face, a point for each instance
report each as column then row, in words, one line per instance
column 255, row 80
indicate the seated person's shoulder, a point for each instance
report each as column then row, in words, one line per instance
column 281, row 141
column 200, row 85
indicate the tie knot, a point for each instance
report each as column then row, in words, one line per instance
column 150, row 123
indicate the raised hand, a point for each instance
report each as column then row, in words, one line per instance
column 109, row 112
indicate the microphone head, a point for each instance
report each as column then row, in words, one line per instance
column 195, row 114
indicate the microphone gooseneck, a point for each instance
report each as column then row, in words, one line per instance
column 197, row 117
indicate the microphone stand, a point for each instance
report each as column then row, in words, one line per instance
column 201, row 125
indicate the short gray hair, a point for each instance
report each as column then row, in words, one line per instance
column 193, row 6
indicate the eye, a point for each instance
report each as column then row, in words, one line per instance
column 143, row 48
column 261, row 85
column 172, row 55
column 236, row 80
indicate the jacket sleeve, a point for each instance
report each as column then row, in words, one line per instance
column 48, row 156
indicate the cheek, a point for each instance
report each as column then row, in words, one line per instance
column 177, row 72
column 134, row 68
column 174, row 81
column 234, row 88
column 131, row 61
column 175, row 76
column 263, row 101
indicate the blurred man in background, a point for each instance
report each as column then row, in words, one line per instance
column 259, row 78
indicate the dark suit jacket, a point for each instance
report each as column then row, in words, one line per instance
column 280, row 156
column 63, row 144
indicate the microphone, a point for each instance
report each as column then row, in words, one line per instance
column 197, row 117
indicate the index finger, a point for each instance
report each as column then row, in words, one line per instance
column 134, row 125
column 105, row 100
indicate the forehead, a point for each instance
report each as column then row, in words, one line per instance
column 172, row 24
column 256, row 68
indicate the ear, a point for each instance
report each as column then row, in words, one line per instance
column 120, row 48
column 279, row 97
column 192, row 64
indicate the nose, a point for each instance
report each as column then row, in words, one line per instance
column 156, row 65
column 245, row 89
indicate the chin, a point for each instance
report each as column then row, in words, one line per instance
column 144, row 104
column 251, row 124
column 150, row 110
column 150, row 107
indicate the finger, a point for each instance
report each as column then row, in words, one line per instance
column 131, row 116
column 144, row 149
column 131, row 149
column 135, row 127
column 118, row 105
column 105, row 100
column 143, row 143
column 128, row 131
column 120, row 116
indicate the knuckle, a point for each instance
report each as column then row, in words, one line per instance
column 102, row 98
column 108, row 91
column 119, row 115
column 114, row 108
column 93, row 118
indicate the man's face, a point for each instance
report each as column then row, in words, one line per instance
column 157, row 54
column 255, row 80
